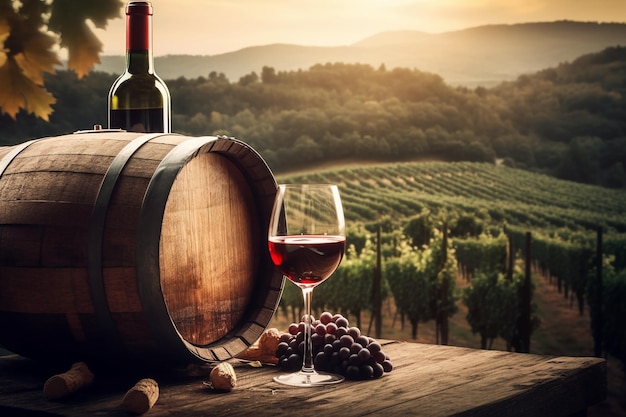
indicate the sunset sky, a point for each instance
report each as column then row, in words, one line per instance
column 208, row 27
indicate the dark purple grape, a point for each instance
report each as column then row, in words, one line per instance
column 329, row 338
column 344, row 352
column 364, row 355
column 352, row 372
column 331, row 328
column 326, row 317
column 320, row 329
column 283, row 362
column 387, row 365
column 341, row 331
column 366, row 372
column 378, row 370
column 294, row 361
column 362, row 340
column 354, row 332
column 281, row 349
column 293, row 329
column 346, row 340
column 354, row 359
column 342, row 322
column 355, row 348
column 317, row 340
column 337, row 317
column 328, row 349
column 321, row 361
column 374, row 347
column 285, row 337
column 293, row 343
column 379, row 357
column 337, row 345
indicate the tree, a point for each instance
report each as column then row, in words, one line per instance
column 30, row 32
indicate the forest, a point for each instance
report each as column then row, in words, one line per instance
column 568, row 121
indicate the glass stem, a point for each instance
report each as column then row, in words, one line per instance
column 307, row 358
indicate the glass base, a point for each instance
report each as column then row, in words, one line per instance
column 309, row 379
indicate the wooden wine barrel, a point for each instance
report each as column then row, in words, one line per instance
column 151, row 247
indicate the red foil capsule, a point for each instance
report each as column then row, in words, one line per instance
column 138, row 25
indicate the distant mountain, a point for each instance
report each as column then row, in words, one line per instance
column 483, row 55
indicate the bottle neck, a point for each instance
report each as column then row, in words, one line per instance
column 139, row 58
column 139, row 62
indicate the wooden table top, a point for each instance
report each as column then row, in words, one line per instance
column 427, row 380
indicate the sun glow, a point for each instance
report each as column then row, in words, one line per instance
column 207, row 27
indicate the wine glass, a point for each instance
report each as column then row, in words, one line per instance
column 307, row 239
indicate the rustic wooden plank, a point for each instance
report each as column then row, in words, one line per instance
column 43, row 213
column 50, row 186
column 210, row 216
column 97, row 163
column 68, row 287
column 121, row 290
column 428, row 380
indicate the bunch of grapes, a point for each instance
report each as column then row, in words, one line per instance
column 337, row 348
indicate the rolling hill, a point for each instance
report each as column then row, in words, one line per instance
column 484, row 55
column 495, row 194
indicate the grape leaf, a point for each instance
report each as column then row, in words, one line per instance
column 37, row 57
column 5, row 31
column 21, row 92
column 27, row 47
column 84, row 48
column 68, row 18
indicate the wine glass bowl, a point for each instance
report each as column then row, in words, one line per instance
column 306, row 241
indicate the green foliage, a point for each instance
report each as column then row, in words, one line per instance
column 410, row 283
column 484, row 252
column 614, row 312
column 493, row 307
column 487, row 301
column 350, row 289
column 422, row 281
column 419, row 229
column 568, row 121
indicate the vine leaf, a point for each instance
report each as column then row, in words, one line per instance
column 5, row 31
column 27, row 47
column 68, row 18
column 37, row 57
column 22, row 92
column 84, row 48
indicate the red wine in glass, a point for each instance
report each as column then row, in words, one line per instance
column 306, row 240
column 307, row 260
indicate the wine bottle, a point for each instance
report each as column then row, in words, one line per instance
column 139, row 100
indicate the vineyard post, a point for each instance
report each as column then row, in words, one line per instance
column 443, row 312
column 376, row 296
column 510, row 259
column 596, row 316
column 524, row 325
